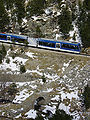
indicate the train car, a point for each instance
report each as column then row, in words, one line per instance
column 60, row 45
column 8, row 37
column 66, row 46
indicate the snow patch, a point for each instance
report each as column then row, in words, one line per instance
column 29, row 54
column 57, row 98
column 23, row 95
column 69, row 95
column 65, row 108
column 52, row 109
column 48, row 90
column 31, row 114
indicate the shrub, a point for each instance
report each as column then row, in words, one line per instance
column 7, row 93
column 4, row 52
column 12, row 90
column 1, row 57
column 86, row 95
column 11, row 47
column 43, row 78
column 22, row 69
column 22, row 50
column 13, row 55
column 61, row 115
column 7, row 60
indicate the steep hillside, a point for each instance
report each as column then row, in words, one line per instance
column 59, row 78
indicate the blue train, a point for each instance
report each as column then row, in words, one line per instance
column 60, row 45
column 67, row 46
column 13, row 38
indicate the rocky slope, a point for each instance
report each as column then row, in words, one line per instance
column 65, row 77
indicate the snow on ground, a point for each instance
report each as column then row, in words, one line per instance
column 53, row 77
column 75, row 114
column 60, row 93
column 50, row 108
column 64, row 107
column 18, row 116
column 76, row 32
column 65, row 65
column 30, row 84
column 48, row 90
column 31, row 114
column 34, row 71
column 30, row 54
column 23, row 95
column 14, row 64
column 57, row 98
column 69, row 95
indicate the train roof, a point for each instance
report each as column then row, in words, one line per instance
column 11, row 34
column 58, row 41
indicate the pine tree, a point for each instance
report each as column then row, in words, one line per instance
column 87, row 4
column 84, row 25
column 35, row 7
column 65, row 22
column 4, row 52
column 17, row 11
column 22, row 69
column 20, row 10
column 9, row 4
column 1, row 57
column 38, row 32
column 4, row 19
column 86, row 96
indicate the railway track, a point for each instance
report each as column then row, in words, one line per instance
column 34, row 46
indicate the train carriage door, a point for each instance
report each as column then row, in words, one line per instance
column 9, row 38
column 57, row 45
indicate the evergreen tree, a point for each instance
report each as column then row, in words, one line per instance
column 4, row 19
column 65, row 22
column 1, row 57
column 22, row 69
column 4, row 52
column 84, row 26
column 9, row 4
column 20, row 10
column 43, row 78
column 35, row 7
column 61, row 115
column 38, row 32
column 87, row 4
column 17, row 11
column 86, row 95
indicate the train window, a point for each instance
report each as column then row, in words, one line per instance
column 3, row 36
column 57, row 45
column 68, row 46
column 8, row 38
column 48, row 44
column 19, row 40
